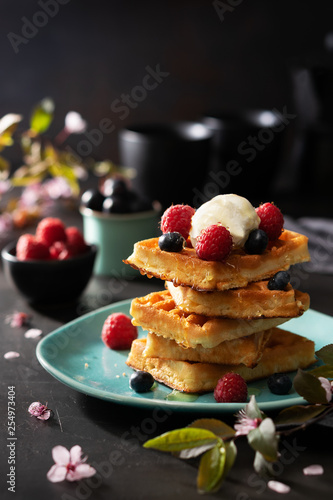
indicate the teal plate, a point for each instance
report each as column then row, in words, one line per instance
column 76, row 356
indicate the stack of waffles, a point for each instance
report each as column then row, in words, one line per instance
column 216, row 317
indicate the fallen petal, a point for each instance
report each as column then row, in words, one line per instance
column 278, row 487
column 57, row 473
column 60, row 455
column 313, row 470
column 33, row 333
column 75, row 454
column 11, row 355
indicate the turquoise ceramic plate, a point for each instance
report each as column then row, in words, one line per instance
column 76, row 356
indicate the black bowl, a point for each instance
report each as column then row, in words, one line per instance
column 49, row 281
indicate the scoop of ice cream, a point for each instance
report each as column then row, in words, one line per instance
column 231, row 211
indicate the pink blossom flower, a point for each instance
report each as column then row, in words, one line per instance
column 17, row 319
column 244, row 424
column 69, row 465
column 74, row 123
column 37, row 409
column 57, row 188
column 6, row 223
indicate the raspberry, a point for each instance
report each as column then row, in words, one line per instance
column 231, row 388
column 177, row 218
column 28, row 247
column 271, row 220
column 118, row 331
column 214, row 243
column 56, row 249
column 75, row 241
column 50, row 230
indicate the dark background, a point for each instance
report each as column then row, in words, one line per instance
column 91, row 53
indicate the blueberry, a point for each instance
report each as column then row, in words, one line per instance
column 171, row 242
column 279, row 383
column 141, row 381
column 279, row 281
column 93, row 199
column 257, row 242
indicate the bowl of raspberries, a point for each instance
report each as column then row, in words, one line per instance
column 51, row 266
column 115, row 216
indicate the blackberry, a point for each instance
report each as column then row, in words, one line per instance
column 141, row 381
column 171, row 242
column 93, row 199
column 279, row 281
column 257, row 242
column 279, row 383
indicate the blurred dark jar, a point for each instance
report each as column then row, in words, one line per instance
column 247, row 151
column 171, row 160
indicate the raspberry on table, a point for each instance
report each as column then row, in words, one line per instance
column 214, row 243
column 271, row 220
column 231, row 388
column 118, row 332
column 177, row 218
column 28, row 247
column 75, row 241
column 49, row 230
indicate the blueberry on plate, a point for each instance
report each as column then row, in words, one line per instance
column 279, row 281
column 93, row 199
column 279, row 383
column 141, row 381
column 257, row 242
column 171, row 242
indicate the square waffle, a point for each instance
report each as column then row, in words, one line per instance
column 284, row 352
column 246, row 350
column 253, row 301
column 158, row 313
column 239, row 269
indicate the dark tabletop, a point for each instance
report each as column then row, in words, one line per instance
column 112, row 435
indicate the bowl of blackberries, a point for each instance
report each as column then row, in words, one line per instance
column 115, row 216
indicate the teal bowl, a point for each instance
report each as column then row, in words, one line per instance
column 115, row 235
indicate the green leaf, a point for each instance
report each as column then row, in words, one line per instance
column 296, row 415
column 4, row 164
column 211, row 469
column 322, row 371
column 309, row 387
column 252, row 409
column 42, row 116
column 264, row 439
column 326, row 354
column 181, row 439
column 218, row 427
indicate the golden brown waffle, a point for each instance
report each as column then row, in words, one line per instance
column 157, row 312
column 284, row 352
column 253, row 301
column 246, row 350
column 185, row 268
